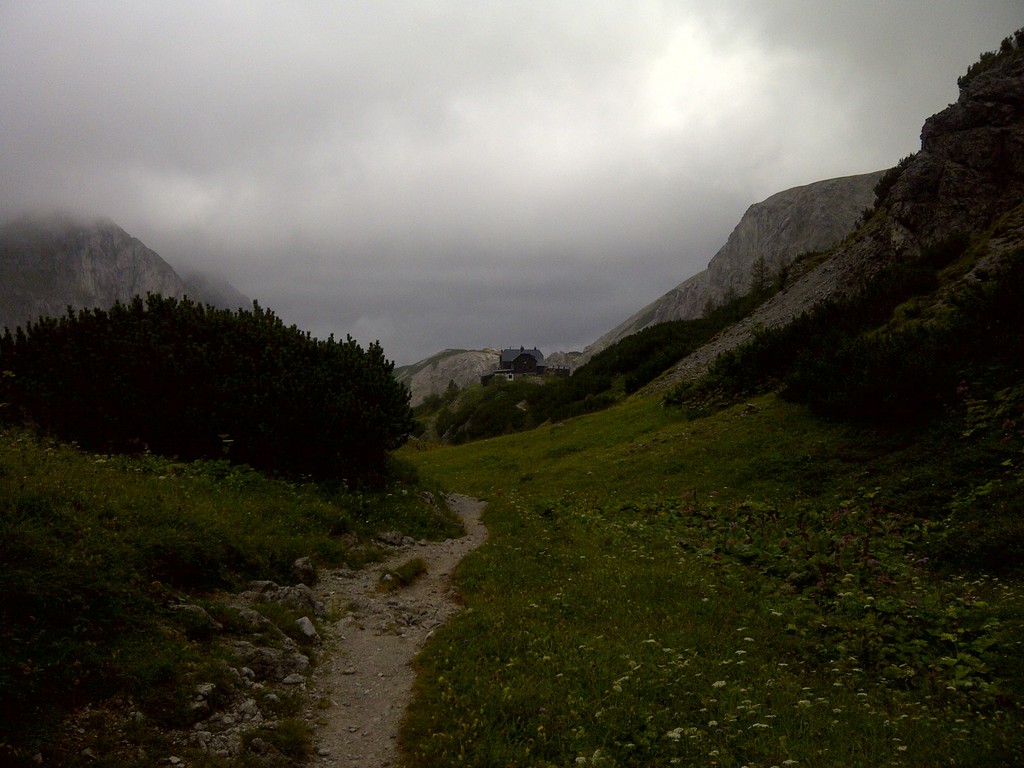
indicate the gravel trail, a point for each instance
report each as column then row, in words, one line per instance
column 360, row 691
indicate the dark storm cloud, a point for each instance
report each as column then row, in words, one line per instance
column 459, row 174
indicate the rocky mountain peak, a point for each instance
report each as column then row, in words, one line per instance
column 812, row 217
column 49, row 262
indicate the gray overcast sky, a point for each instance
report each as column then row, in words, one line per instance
column 461, row 173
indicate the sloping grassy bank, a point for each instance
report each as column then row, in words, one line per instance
column 754, row 588
column 96, row 550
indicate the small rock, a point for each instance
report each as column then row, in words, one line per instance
column 251, row 620
column 307, row 630
column 248, row 708
column 395, row 539
column 305, row 571
column 294, row 679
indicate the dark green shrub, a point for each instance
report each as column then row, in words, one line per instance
column 1010, row 46
column 404, row 575
column 621, row 369
column 187, row 380
column 888, row 180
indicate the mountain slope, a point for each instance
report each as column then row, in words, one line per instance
column 50, row 262
column 967, row 176
column 812, row 217
column 432, row 376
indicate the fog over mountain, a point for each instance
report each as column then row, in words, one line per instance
column 457, row 174
column 50, row 263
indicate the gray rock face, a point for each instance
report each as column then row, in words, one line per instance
column 970, row 169
column 431, row 376
column 968, row 175
column 810, row 218
column 813, row 217
column 49, row 263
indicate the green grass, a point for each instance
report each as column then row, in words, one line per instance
column 405, row 574
column 96, row 548
column 752, row 588
column 291, row 737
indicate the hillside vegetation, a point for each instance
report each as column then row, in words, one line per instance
column 611, row 374
column 101, row 557
column 808, row 554
column 187, row 380
column 155, row 459
column 737, row 577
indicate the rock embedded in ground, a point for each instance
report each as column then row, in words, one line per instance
column 307, row 630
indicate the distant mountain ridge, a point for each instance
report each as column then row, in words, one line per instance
column 812, row 217
column 50, row 262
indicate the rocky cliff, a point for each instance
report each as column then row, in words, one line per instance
column 462, row 366
column 809, row 218
column 967, row 177
column 50, row 262
column 432, row 376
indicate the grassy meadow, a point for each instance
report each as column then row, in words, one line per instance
column 96, row 551
column 759, row 587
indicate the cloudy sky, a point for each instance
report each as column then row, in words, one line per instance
column 461, row 173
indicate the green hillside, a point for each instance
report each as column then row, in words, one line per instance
column 757, row 587
column 811, row 555
column 118, row 584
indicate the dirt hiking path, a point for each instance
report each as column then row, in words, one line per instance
column 360, row 691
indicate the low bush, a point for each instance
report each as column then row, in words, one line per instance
column 182, row 379
column 404, row 575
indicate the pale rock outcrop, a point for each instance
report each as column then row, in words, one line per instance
column 968, row 175
column 813, row 217
column 433, row 375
